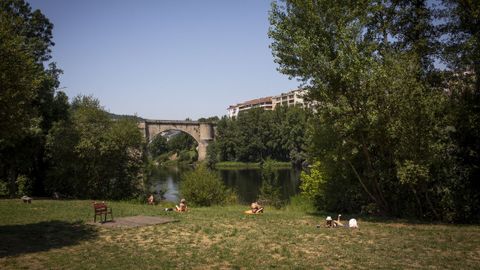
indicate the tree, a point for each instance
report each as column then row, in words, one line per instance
column 181, row 141
column 462, row 37
column 375, row 114
column 27, row 100
column 158, row 146
column 94, row 156
column 461, row 53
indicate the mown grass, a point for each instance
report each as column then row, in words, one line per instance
column 54, row 235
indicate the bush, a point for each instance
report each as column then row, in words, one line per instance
column 313, row 184
column 3, row 188
column 25, row 185
column 203, row 187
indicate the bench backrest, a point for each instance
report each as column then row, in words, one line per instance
column 99, row 207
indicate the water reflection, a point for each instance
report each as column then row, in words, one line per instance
column 246, row 182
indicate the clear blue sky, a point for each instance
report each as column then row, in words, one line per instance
column 168, row 59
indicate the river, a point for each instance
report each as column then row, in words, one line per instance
column 246, row 182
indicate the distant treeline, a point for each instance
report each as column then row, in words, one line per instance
column 257, row 135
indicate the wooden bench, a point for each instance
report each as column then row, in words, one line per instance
column 101, row 209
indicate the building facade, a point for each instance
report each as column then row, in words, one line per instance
column 291, row 98
column 265, row 103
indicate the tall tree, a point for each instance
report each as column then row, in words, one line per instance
column 461, row 37
column 28, row 103
column 369, row 97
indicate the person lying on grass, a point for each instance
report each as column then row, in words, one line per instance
column 333, row 223
column 352, row 223
column 255, row 209
column 182, row 207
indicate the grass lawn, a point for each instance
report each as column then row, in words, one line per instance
column 53, row 235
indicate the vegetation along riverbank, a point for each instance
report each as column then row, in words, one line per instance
column 224, row 165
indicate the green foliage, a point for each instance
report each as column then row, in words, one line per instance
column 212, row 154
column 189, row 156
column 29, row 103
column 313, row 182
column 157, row 146
column 412, row 174
column 380, row 130
column 25, row 185
column 94, row 156
column 3, row 189
column 270, row 192
column 181, row 141
column 257, row 134
column 461, row 52
column 203, row 187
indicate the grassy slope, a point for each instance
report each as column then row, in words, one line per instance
column 53, row 234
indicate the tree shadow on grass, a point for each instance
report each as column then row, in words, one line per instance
column 43, row 236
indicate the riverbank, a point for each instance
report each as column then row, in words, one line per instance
column 250, row 165
column 51, row 234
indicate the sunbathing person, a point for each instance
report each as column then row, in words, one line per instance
column 255, row 209
column 151, row 200
column 182, row 207
column 338, row 223
column 329, row 223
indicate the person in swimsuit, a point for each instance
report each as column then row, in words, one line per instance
column 151, row 200
column 182, row 207
column 255, row 208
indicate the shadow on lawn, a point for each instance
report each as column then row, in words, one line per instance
column 27, row 238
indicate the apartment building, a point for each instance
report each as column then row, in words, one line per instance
column 265, row 103
column 291, row 98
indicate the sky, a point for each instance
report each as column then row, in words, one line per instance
column 165, row 59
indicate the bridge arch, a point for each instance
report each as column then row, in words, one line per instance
column 202, row 132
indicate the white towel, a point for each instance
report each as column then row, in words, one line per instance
column 352, row 223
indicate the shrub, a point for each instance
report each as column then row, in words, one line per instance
column 203, row 187
column 313, row 183
column 3, row 188
column 25, row 185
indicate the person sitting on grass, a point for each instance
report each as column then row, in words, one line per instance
column 182, row 207
column 151, row 200
column 255, row 209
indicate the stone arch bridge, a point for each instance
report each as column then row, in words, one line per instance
column 202, row 132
